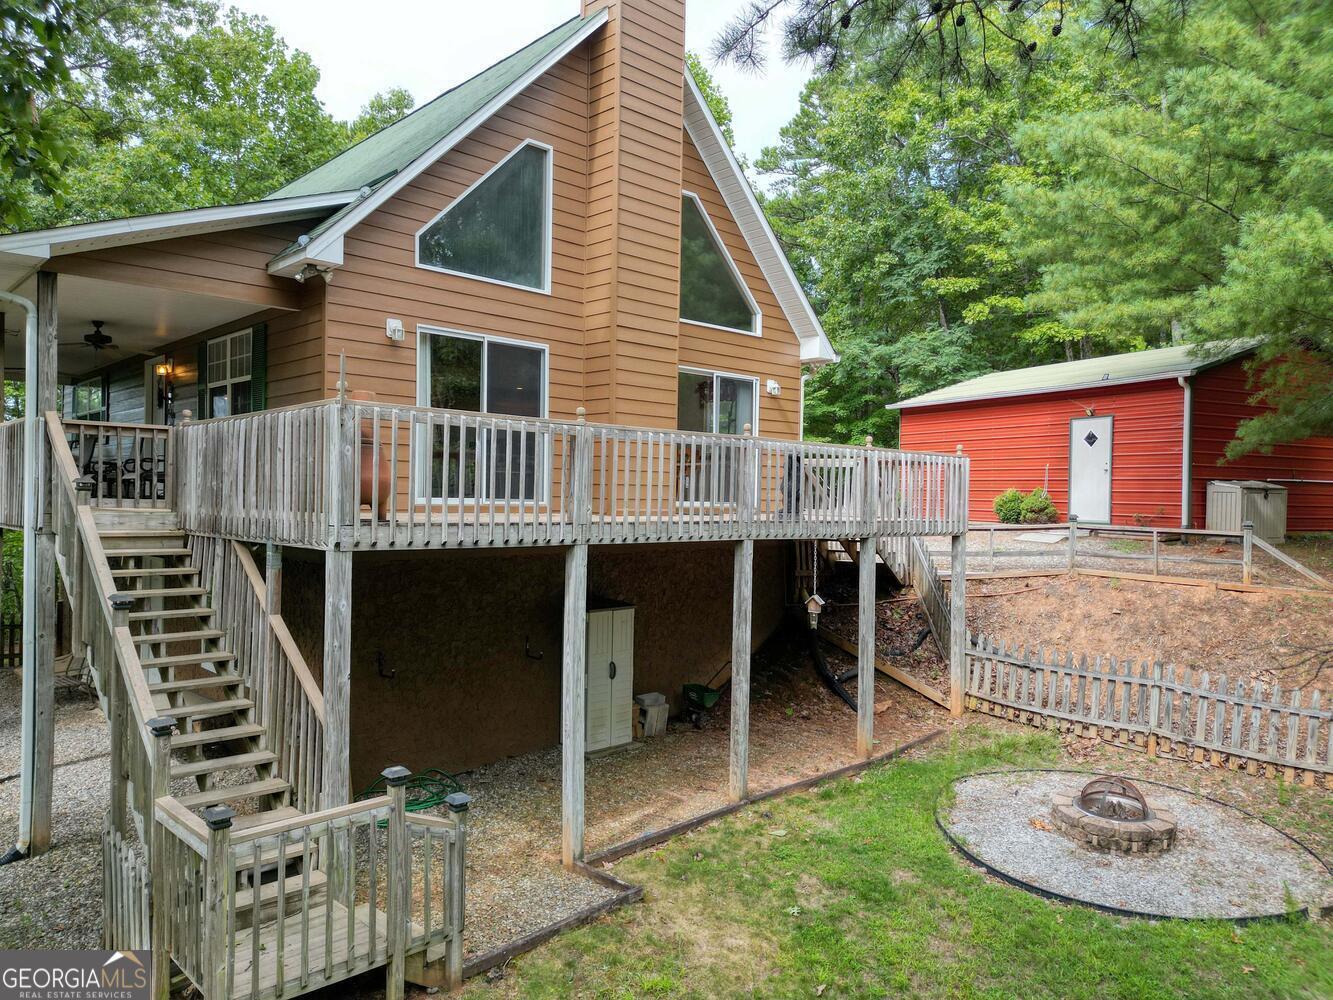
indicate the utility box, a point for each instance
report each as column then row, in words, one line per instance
column 610, row 667
column 1233, row 502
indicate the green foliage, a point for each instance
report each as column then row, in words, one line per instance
column 890, row 199
column 179, row 105
column 713, row 96
column 1037, row 508
column 1198, row 203
column 1008, row 506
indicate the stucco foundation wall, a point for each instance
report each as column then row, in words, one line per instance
column 456, row 655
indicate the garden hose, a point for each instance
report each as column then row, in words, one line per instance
column 425, row 789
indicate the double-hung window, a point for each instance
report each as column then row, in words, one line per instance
column 228, row 373
column 484, row 375
column 714, row 403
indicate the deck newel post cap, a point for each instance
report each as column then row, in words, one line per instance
column 747, row 430
column 870, row 440
column 219, row 817
column 121, row 602
column 581, row 413
column 396, row 776
column 161, row 726
column 458, row 802
column 186, row 416
column 958, row 448
column 85, row 484
column 1246, row 525
column 1073, row 519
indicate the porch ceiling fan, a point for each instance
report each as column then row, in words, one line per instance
column 97, row 340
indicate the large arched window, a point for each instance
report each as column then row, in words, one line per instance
column 499, row 229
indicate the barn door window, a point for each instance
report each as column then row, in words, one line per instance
column 483, row 375
column 499, row 229
column 712, row 291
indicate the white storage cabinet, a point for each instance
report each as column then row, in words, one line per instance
column 610, row 674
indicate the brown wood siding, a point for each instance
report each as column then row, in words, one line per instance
column 637, row 107
column 776, row 354
column 229, row 265
column 296, row 351
column 379, row 278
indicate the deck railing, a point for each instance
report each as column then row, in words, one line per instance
column 373, row 475
column 286, row 907
column 288, row 701
column 11, row 474
column 129, row 464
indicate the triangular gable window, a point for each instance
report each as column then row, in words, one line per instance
column 711, row 289
column 499, row 229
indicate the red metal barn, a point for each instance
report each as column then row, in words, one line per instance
column 1136, row 437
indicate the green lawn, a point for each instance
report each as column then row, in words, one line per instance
column 851, row 891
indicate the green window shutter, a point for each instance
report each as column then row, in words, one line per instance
column 201, row 384
column 259, row 367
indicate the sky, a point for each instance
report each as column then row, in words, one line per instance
column 428, row 46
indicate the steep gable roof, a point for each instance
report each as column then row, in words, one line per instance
column 1087, row 373
column 397, row 145
column 381, row 164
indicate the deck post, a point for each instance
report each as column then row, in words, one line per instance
column 1247, row 551
column 163, row 908
column 573, row 703
column 219, row 879
column 957, row 621
column 337, row 677
column 39, row 583
column 458, row 804
column 116, row 697
column 865, row 649
column 742, row 615
column 1073, row 540
column 398, row 875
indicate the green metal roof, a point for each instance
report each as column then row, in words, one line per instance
column 1136, row 366
column 393, row 147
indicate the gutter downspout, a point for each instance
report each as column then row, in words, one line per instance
column 31, row 496
column 1186, row 453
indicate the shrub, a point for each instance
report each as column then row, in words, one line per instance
column 1008, row 506
column 1038, row 508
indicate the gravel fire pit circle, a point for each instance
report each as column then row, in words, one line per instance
column 1224, row 863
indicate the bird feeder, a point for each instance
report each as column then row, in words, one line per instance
column 814, row 604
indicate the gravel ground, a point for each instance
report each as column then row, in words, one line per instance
column 1224, row 863
column 55, row 900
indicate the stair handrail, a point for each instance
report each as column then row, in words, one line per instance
column 65, row 475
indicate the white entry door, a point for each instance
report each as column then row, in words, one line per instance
column 1090, row 468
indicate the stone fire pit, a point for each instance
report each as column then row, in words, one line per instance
column 1111, row 814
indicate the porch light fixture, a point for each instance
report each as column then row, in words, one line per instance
column 163, row 370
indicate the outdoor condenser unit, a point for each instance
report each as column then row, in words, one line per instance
column 1233, row 502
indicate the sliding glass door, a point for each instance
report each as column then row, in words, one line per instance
column 484, row 375
column 713, row 403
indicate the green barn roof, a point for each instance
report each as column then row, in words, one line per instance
column 1136, row 366
column 381, row 155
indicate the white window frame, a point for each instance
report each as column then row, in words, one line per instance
column 717, row 397
column 755, row 311
column 229, row 381
column 83, row 383
column 427, row 330
column 549, row 222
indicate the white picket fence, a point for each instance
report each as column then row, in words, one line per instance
column 1190, row 713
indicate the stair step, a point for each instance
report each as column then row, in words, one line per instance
column 146, row 616
column 141, row 573
column 208, row 709
column 220, row 796
column 194, row 768
column 140, row 595
column 292, row 885
column 142, row 533
column 185, row 659
column 224, row 734
column 202, row 634
column 193, row 683
column 137, row 553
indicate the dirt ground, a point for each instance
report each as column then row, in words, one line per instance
column 1282, row 637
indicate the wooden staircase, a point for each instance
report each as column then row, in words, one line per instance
column 220, row 754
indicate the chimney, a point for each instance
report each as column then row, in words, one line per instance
column 636, row 108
